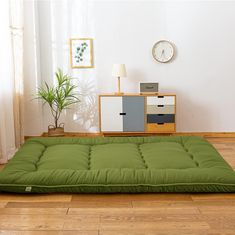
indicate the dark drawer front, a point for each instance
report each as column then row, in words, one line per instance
column 160, row 118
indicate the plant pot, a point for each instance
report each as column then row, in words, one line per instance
column 56, row 131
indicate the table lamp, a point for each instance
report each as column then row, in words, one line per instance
column 119, row 70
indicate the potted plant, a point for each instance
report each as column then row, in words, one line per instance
column 58, row 97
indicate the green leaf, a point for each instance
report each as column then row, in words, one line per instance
column 58, row 97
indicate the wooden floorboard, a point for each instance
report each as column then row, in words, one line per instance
column 9, row 197
column 122, row 214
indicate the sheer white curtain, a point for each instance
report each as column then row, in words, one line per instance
column 16, row 26
column 46, row 47
column 31, row 51
column 11, row 87
column 74, row 19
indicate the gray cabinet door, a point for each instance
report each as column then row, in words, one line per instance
column 133, row 113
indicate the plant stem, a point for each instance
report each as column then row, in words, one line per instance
column 56, row 122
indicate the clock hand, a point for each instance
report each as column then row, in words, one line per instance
column 163, row 53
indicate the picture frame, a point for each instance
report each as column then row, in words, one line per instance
column 81, row 52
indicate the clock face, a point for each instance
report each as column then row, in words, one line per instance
column 163, row 51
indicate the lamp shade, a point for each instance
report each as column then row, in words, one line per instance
column 119, row 70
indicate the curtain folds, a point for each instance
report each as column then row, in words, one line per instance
column 11, row 78
column 16, row 26
column 46, row 48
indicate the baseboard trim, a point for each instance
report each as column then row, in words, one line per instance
column 95, row 134
column 69, row 134
column 208, row 134
column 78, row 134
column 203, row 134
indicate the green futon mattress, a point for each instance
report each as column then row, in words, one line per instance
column 117, row 164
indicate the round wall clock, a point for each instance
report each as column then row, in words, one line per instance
column 163, row 51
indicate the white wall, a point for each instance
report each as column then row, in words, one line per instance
column 202, row 74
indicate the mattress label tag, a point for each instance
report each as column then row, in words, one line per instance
column 28, row 189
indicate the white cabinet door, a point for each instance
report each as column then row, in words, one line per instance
column 110, row 108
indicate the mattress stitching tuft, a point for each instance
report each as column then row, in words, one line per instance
column 142, row 156
column 89, row 158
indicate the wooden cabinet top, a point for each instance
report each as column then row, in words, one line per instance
column 138, row 94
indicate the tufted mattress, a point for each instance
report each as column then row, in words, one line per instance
column 117, row 164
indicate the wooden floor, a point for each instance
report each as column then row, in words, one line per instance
column 119, row 214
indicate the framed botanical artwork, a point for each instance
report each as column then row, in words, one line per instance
column 81, row 52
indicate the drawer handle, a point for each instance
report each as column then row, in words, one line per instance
column 122, row 114
column 160, row 105
column 160, row 114
column 161, row 96
column 149, row 87
column 160, row 123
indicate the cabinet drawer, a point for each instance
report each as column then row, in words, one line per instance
column 160, row 109
column 162, row 118
column 161, row 100
column 161, row 127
